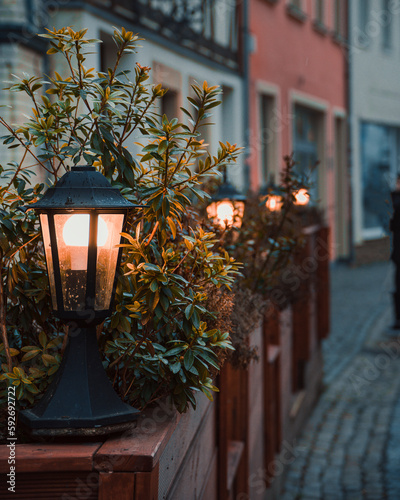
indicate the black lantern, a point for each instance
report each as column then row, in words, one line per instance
column 81, row 218
column 227, row 205
column 273, row 199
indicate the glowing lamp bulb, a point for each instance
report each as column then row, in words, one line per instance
column 76, row 234
column 76, row 231
column 225, row 213
column 302, row 197
column 273, row 203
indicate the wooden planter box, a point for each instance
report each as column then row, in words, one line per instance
column 223, row 449
column 147, row 462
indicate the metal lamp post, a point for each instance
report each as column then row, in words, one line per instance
column 227, row 205
column 81, row 219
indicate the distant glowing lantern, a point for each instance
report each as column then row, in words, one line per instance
column 273, row 201
column 302, row 197
column 81, row 218
column 227, row 206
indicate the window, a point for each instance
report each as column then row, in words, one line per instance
column 364, row 9
column 169, row 104
column 170, row 79
column 307, row 145
column 361, row 31
column 319, row 11
column 386, row 25
column 296, row 9
column 380, row 160
column 340, row 17
column 267, row 138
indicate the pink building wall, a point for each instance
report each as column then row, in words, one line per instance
column 293, row 62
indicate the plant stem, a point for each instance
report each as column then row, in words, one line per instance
column 3, row 324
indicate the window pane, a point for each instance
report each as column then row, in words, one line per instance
column 387, row 25
column 376, row 173
column 72, row 233
column 267, row 136
column 306, row 145
column 44, row 223
column 107, row 256
column 319, row 11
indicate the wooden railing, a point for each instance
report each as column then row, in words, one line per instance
column 223, row 449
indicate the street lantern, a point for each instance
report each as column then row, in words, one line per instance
column 273, row 201
column 227, row 206
column 81, row 219
column 302, row 197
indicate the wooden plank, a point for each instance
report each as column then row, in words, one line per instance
column 235, row 451
column 223, row 432
column 242, row 430
column 118, row 485
column 210, row 490
column 185, row 436
column 51, row 457
column 271, row 325
column 323, row 283
column 52, row 486
column 193, row 472
column 273, row 352
column 139, row 449
column 146, row 484
column 301, row 321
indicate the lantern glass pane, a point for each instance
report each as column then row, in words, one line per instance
column 44, row 224
column 72, row 233
column 107, row 258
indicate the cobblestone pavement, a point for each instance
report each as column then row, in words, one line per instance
column 350, row 446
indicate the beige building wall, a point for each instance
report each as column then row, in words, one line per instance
column 374, row 86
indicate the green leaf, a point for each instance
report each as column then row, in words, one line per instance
column 151, row 267
column 188, row 359
column 189, row 311
column 43, row 339
column 163, row 146
column 175, row 350
column 175, row 367
column 30, row 355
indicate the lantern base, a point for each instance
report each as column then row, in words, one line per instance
column 86, row 432
column 81, row 396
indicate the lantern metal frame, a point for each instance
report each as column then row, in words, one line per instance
column 81, row 399
column 227, row 191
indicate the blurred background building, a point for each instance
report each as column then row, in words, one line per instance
column 186, row 42
column 374, row 97
column 318, row 78
column 298, row 101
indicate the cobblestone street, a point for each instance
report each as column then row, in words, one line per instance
column 350, row 447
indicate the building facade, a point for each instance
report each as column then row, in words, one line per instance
column 186, row 42
column 374, row 86
column 298, row 101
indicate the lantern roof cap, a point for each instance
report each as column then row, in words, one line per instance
column 226, row 191
column 83, row 187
